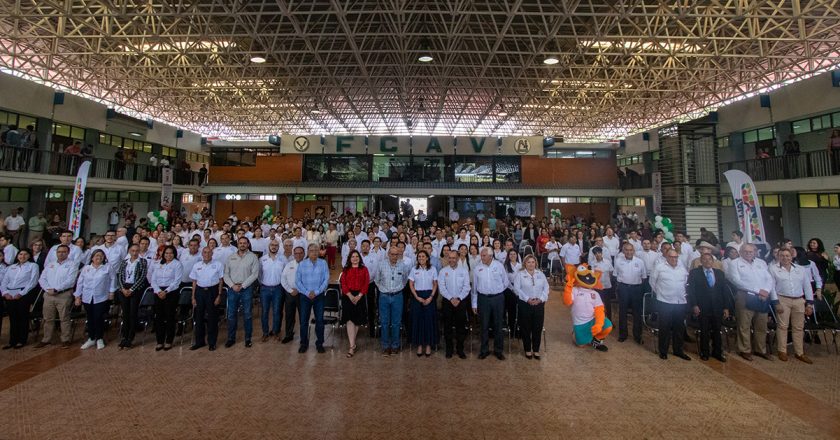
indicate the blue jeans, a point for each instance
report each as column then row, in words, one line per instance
column 390, row 318
column 271, row 299
column 234, row 300
column 306, row 306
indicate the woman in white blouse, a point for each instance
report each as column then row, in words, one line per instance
column 531, row 288
column 512, row 267
column 94, row 287
column 165, row 280
column 19, row 278
column 422, row 280
column 498, row 253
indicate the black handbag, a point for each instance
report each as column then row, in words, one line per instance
column 756, row 304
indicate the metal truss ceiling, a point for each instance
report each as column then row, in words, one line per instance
column 352, row 66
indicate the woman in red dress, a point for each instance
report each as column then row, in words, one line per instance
column 354, row 286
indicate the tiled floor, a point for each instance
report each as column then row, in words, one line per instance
column 270, row 391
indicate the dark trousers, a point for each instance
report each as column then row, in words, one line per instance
column 531, row 321
column 710, row 327
column 372, row 308
column 291, row 306
column 206, row 315
column 510, row 309
column 491, row 308
column 630, row 296
column 130, row 310
column 606, row 298
column 96, row 319
column 18, row 311
column 454, row 325
column 307, row 306
column 165, row 311
column 671, row 326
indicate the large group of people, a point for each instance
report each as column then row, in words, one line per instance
column 413, row 279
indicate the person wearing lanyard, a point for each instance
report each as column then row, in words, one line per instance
column 311, row 280
column 531, row 287
column 629, row 271
column 355, row 280
column 242, row 269
column 207, row 280
column 94, row 289
column 271, row 291
column 422, row 280
column 795, row 301
column 489, row 283
column 15, row 285
column 291, row 300
column 754, row 285
column 454, row 287
column 132, row 283
column 668, row 283
column 57, row 280
column 390, row 280
column 165, row 279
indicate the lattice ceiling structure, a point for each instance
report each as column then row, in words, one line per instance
column 335, row 66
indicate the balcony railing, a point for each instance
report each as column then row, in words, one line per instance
column 27, row 160
column 821, row 163
column 635, row 181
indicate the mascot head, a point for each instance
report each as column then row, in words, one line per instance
column 581, row 275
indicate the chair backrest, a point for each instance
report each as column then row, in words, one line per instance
column 823, row 311
column 39, row 301
column 332, row 299
column 148, row 298
column 185, row 298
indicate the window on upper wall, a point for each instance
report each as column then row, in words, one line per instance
column 14, row 194
column 168, row 151
column 801, row 126
column 11, row 118
column 835, row 118
column 723, row 142
column 761, row 134
column 508, row 169
column 822, row 200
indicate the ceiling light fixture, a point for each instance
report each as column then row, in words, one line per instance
column 502, row 111
column 551, row 60
column 257, row 59
column 134, row 133
column 425, row 54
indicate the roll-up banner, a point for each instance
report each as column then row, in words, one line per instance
column 746, row 206
column 75, row 222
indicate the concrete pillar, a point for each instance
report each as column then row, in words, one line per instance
column 289, row 199
column 790, row 215
column 783, row 131
column 43, row 132
column 736, row 146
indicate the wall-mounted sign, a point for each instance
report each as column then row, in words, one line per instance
column 293, row 144
column 347, row 144
column 522, row 146
column 416, row 145
column 432, row 145
column 398, row 145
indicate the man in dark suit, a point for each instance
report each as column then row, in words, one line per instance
column 709, row 301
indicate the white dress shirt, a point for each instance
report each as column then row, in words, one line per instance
column 223, row 253
column 489, row 280
column 514, row 269
column 114, row 254
column 454, row 283
column 649, row 257
column 570, row 253
column 629, row 271
column 188, row 260
column 19, row 279
column 59, row 276
column 371, row 262
column 792, row 283
column 271, row 270
column 527, row 286
column 613, row 244
column 75, row 254
column 424, row 279
column 553, row 248
column 606, row 268
column 287, row 279
column 95, row 284
column 668, row 283
column 750, row 277
column 166, row 276
column 9, row 254
column 207, row 274
column 259, row 244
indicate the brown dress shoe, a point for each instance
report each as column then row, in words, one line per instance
column 386, row 352
column 804, row 358
column 783, row 356
column 41, row 344
column 762, row 355
column 745, row 355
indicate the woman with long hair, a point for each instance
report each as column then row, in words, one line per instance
column 816, row 253
column 531, row 288
column 512, row 266
column 132, row 283
column 16, row 284
column 422, row 280
column 355, row 280
column 94, row 288
column 165, row 280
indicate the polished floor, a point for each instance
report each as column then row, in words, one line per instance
column 270, row 391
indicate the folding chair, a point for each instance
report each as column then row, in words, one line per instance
column 145, row 311
column 650, row 318
column 555, row 272
column 77, row 313
column 332, row 312
column 823, row 320
column 36, row 313
column 771, row 330
column 185, row 303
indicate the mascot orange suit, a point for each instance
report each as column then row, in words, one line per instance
column 591, row 327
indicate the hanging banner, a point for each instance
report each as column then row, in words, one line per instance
column 398, row 145
column 746, row 206
column 523, row 209
column 432, row 145
column 75, row 221
column 293, row 144
column 166, row 186
column 656, row 179
column 522, row 146
column 348, row 144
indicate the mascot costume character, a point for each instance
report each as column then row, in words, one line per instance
column 591, row 327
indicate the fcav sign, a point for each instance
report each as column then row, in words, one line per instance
column 413, row 145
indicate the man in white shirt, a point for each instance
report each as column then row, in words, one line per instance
column 207, row 281
column 57, row 280
column 438, row 242
column 570, row 252
column 224, row 251
column 299, row 240
column 488, row 301
column 453, row 216
column 454, row 287
column 630, row 272
column 755, row 290
column 635, row 241
column 114, row 253
column 612, row 243
column 271, row 294
column 605, row 267
column 65, row 238
column 188, row 258
column 649, row 256
column 737, row 240
column 795, row 301
column 291, row 297
column 668, row 282
column 9, row 251
column 371, row 262
column 113, row 219
column 553, row 248
column 14, row 227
